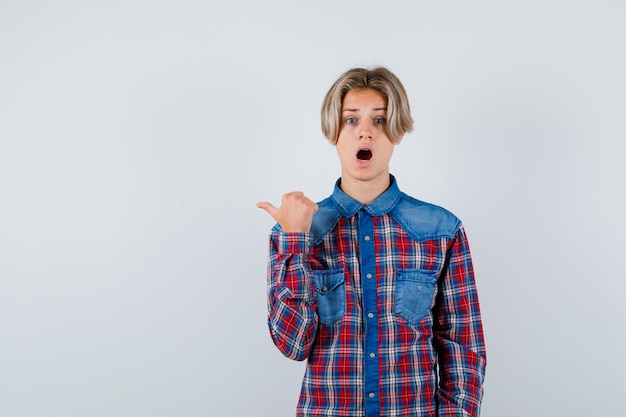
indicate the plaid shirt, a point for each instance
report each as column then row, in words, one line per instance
column 381, row 301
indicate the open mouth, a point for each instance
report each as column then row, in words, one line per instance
column 364, row 155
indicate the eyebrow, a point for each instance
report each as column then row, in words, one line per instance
column 375, row 109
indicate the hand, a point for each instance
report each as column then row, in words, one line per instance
column 295, row 213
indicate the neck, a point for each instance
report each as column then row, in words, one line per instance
column 365, row 191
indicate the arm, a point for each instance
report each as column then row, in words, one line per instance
column 292, row 319
column 458, row 335
column 291, row 291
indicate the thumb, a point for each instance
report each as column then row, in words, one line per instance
column 269, row 207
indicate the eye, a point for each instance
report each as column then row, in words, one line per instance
column 350, row 120
column 379, row 120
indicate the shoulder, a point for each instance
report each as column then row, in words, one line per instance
column 324, row 220
column 424, row 221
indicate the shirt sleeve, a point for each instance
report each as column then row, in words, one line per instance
column 458, row 335
column 292, row 319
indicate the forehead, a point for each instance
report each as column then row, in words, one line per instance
column 363, row 99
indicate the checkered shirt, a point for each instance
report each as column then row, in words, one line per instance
column 381, row 301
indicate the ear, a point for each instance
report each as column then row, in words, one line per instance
column 399, row 140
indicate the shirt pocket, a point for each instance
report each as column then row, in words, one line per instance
column 415, row 292
column 331, row 295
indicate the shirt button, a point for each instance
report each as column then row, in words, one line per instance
column 371, row 395
column 369, row 276
column 372, row 355
column 324, row 289
column 370, row 315
column 367, row 238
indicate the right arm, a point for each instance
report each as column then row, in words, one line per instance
column 292, row 303
column 291, row 290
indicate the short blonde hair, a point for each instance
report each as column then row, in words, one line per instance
column 399, row 120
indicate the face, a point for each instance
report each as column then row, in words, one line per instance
column 363, row 146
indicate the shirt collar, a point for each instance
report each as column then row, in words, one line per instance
column 383, row 204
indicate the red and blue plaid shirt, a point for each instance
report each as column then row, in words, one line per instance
column 381, row 301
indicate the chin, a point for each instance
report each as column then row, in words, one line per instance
column 364, row 176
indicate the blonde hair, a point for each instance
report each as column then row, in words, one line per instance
column 380, row 79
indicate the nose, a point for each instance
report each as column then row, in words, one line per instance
column 365, row 131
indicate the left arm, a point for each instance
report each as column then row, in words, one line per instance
column 458, row 335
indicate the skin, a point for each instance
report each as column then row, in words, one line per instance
column 363, row 118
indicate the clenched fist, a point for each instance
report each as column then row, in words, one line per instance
column 295, row 213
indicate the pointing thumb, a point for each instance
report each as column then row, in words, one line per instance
column 267, row 206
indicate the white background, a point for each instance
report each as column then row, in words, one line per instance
column 137, row 136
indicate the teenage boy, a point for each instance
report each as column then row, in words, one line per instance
column 374, row 288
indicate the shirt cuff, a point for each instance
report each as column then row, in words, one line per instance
column 294, row 243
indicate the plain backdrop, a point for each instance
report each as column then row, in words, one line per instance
column 136, row 137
